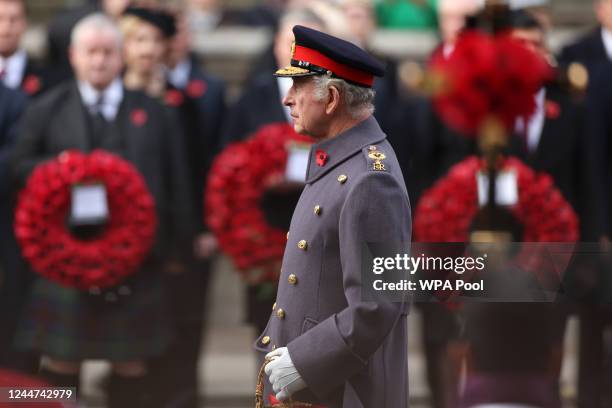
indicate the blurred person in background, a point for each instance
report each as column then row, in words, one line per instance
column 199, row 102
column 126, row 324
column 17, row 70
column 61, row 25
column 596, row 46
column 360, row 17
column 14, row 281
column 452, row 16
column 516, row 352
column 556, row 140
column 147, row 32
column 407, row 14
column 19, row 77
column 593, row 388
column 539, row 9
column 431, row 148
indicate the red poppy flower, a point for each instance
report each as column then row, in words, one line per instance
column 322, row 157
column 31, row 84
column 196, row 88
column 235, row 185
column 553, row 109
column 139, row 117
column 174, row 98
column 54, row 252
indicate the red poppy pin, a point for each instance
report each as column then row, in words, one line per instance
column 173, row 98
column 553, row 110
column 31, row 84
column 196, row 88
column 139, row 117
column 322, row 157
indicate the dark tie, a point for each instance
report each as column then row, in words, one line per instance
column 99, row 123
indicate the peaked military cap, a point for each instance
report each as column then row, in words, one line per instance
column 159, row 18
column 317, row 53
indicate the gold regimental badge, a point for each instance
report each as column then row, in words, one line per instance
column 378, row 157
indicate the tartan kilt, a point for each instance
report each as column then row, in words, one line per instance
column 127, row 322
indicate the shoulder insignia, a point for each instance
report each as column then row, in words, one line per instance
column 376, row 159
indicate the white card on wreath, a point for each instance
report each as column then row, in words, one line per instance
column 297, row 162
column 89, row 203
column 506, row 188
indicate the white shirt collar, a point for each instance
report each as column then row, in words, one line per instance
column 535, row 123
column 179, row 76
column 14, row 69
column 111, row 97
column 606, row 36
column 284, row 84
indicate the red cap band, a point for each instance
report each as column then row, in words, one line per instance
column 340, row 70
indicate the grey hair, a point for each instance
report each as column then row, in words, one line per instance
column 359, row 101
column 96, row 21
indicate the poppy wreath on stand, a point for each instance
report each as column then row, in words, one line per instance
column 105, row 259
column 238, row 180
column 445, row 212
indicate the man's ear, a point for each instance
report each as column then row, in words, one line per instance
column 334, row 100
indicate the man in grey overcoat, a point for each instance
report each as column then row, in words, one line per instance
column 327, row 345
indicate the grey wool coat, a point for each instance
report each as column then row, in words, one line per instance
column 350, row 353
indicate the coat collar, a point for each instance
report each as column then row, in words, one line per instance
column 343, row 146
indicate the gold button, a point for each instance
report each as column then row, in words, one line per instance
column 274, row 306
column 317, row 210
column 372, row 148
column 292, row 279
column 265, row 340
column 303, row 245
column 287, row 235
column 342, row 178
column 280, row 313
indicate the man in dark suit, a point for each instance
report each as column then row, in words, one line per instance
column 17, row 70
column 12, row 282
column 199, row 100
column 592, row 386
column 596, row 46
column 599, row 103
column 97, row 112
column 556, row 140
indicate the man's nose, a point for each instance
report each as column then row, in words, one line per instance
column 288, row 99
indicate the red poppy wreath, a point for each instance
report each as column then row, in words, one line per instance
column 108, row 257
column 445, row 211
column 238, row 179
column 488, row 76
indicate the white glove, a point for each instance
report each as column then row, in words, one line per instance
column 283, row 375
